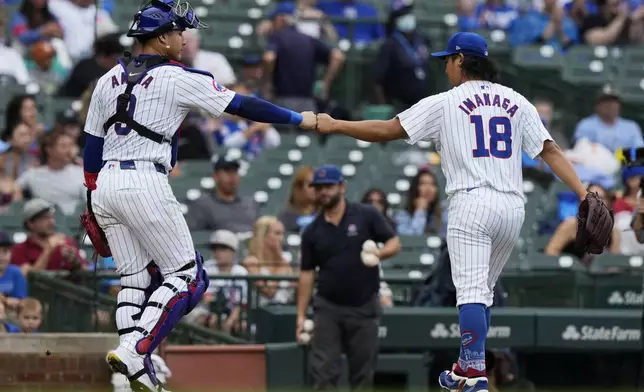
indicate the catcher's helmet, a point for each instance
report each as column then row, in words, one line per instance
column 160, row 16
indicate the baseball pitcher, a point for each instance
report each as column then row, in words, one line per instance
column 480, row 128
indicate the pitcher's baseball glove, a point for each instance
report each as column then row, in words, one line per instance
column 594, row 224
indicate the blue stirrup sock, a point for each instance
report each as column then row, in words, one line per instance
column 488, row 317
column 474, row 323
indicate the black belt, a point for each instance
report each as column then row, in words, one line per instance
column 130, row 165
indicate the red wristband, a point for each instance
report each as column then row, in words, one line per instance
column 90, row 180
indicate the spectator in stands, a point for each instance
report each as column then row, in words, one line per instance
column 228, row 296
column 58, row 181
column 265, row 258
column 13, row 285
column 468, row 19
column 9, row 191
column 23, row 109
column 563, row 240
column 300, row 208
column 624, row 207
column 44, row 248
column 551, row 26
column 213, row 62
column 363, row 33
column 309, row 20
column 12, row 65
column 17, row 158
column 251, row 137
column 423, row 213
column 224, row 208
column 606, row 126
column 503, row 372
column 378, row 199
column 614, row 24
column 545, row 109
column 81, row 21
column 401, row 67
column 29, row 315
column 67, row 121
column 252, row 72
column 291, row 60
column 44, row 67
column 493, row 15
column 107, row 51
column 34, row 22
column 5, row 326
column 196, row 138
column 579, row 10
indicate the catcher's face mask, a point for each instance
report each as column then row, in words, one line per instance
column 161, row 16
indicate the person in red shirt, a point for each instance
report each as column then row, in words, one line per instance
column 45, row 249
column 631, row 177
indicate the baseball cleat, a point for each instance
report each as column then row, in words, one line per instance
column 475, row 384
column 451, row 381
column 125, row 363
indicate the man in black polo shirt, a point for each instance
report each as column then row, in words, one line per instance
column 346, row 306
column 292, row 60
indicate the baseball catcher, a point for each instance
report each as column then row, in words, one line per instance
column 131, row 145
column 594, row 224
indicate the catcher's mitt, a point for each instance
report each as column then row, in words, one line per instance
column 594, row 224
column 94, row 232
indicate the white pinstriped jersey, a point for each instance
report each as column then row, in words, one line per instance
column 162, row 100
column 480, row 130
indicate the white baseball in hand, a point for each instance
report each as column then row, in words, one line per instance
column 369, row 246
column 305, row 338
column 369, row 259
column 307, row 326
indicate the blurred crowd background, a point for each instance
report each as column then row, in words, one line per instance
column 244, row 186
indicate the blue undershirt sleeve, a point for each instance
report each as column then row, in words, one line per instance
column 93, row 154
column 258, row 110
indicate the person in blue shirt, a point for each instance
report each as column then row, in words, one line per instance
column 606, row 126
column 251, row 137
column 351, row 9
column 552, row 26
column 33, row 22
column 424, row 213
column 496, row 15
column 13, row 285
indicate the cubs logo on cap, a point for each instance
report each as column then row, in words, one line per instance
column 327, row 174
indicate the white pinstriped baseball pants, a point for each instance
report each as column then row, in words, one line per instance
column 482, row 230
column 142, row 219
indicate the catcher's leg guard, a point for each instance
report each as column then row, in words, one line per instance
column 136, row 290
column 180, row 292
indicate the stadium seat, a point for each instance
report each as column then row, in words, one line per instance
column 587, row 65
column 377, row 112
column 612, row 263
column 541, row 261
column 537, row 57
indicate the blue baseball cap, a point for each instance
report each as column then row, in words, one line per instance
column 466, row 43
column 327, row 174
column 5, row 239
column 284, row 8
